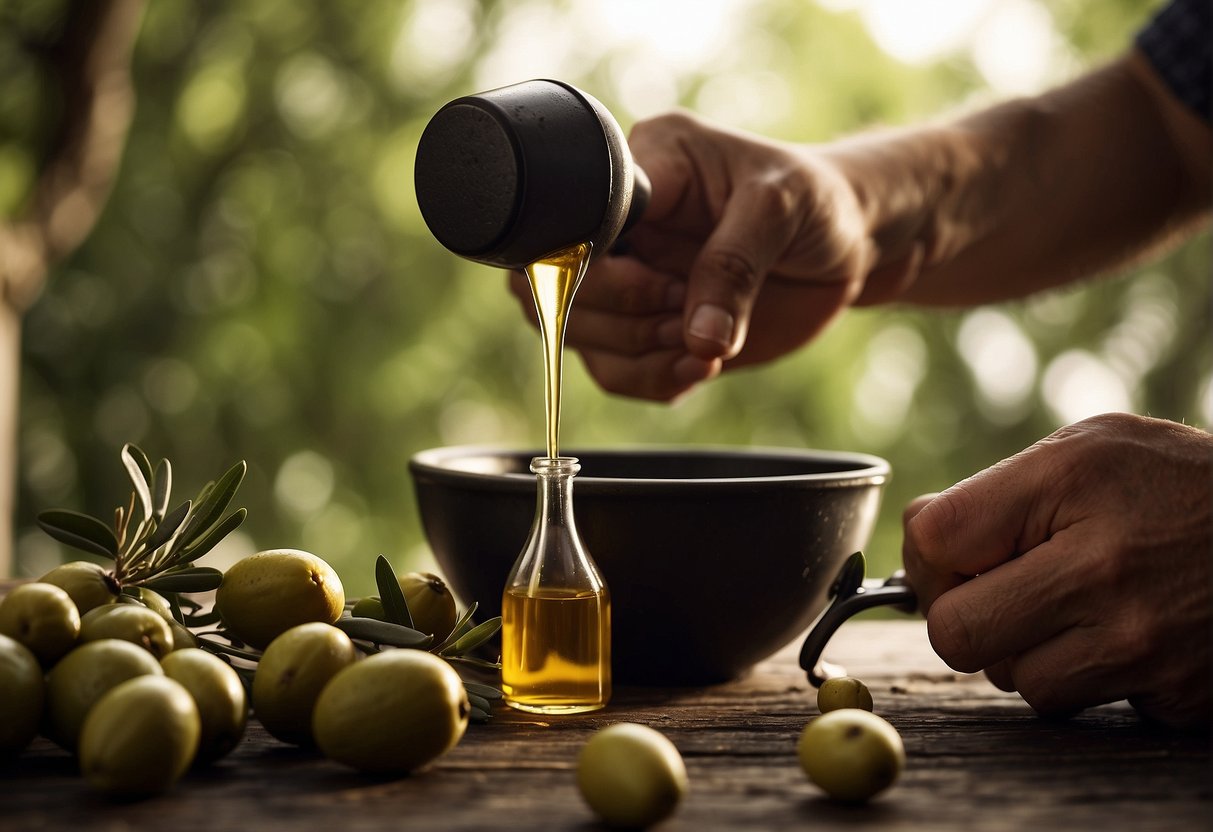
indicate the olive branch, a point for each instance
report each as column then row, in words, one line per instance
column 153, row 547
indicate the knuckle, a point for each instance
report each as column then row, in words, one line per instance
column 734, row 268
column 778, row 196
column 1109, row 568
column 663, row 125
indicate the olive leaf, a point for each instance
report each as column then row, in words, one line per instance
column 162, row 486
column 219, row 647
column 461, row 626
column 168, row 526
column 383, row 632
column 472, row 661
column 196, row 579
column 395, row 607
column 479, row 703
column 140, row 472
column 204, row 620
column 485, row 691
column 79, row 531
column 229, row 524
column 475, row 637
column 213, row 501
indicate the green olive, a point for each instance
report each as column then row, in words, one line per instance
column 631, row 775
column 154, row 601
column 183, row 636
column 391, row 713
column 843, row 692
column 430, row 603
column 140, row 737
column 264, row 595
column 88, row 584
column 294, row 669
column 128, row 622
column 852, row 754
column 219, row 695
column 21, row 695
column 86, row 674
column 369, row 607
column 42, row 617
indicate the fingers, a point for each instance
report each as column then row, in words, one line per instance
column 629, row 286
column 1004, row 612
column 658, row 376
column 622, row 306
column 916, row 505
column 756, row 228
column 981, row 522
column 1000, row 676
column 626, row 322
column 1072, row 671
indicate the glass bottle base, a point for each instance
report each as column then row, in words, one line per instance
column 573, row 708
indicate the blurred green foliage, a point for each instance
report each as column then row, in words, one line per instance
column 261, row 286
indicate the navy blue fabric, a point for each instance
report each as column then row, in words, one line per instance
column 1179, row 43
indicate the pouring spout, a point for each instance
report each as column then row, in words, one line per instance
column 850, row 594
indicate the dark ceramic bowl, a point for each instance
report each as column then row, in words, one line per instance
column 715, row 557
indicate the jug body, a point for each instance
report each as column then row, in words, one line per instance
column 510, row 175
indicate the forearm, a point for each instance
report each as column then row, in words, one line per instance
column 1032, row 193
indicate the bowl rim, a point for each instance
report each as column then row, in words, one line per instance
column 869, row 469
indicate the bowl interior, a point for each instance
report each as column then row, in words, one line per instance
column 643, row 464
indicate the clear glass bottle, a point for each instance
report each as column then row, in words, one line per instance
column 556, row 610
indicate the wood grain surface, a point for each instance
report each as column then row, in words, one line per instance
column 977, row 759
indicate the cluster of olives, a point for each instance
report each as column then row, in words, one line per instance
column 391, row 712
column 114, row 678
column 115, row 683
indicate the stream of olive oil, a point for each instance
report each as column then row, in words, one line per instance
column 558, row 644
column 554, row 281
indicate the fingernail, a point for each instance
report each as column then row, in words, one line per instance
column 676, row 295
column 711, row 323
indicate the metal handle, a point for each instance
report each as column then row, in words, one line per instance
column 851, row 594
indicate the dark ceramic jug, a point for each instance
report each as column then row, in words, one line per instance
column 508, row 176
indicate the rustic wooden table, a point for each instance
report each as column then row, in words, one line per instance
column 977, row 759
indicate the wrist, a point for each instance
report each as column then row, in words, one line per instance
column 919, row 193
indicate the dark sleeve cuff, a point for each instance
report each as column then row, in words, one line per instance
column 1178, row 42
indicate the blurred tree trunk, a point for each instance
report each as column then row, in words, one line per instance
column 92, row 62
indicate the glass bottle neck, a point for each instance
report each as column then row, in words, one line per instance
column 554, row 480
column 555, row 466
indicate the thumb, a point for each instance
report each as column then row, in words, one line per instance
column 756, row 228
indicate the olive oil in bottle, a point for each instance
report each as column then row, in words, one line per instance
column 556, row 609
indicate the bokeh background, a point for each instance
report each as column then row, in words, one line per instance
column 261, row 285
